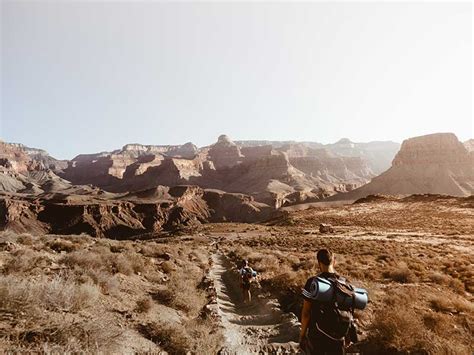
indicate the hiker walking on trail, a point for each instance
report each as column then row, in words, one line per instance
column 247, row 274
column 327, row 324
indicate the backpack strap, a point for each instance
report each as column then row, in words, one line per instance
column 326, row 334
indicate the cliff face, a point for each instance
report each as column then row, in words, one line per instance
column 277, row 174
column 15, row 159
column 41, row 158
column 442, row 148
column 431, row 164
column 123, row 217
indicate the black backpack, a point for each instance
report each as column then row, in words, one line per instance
column 334, row 320
column 247, row 275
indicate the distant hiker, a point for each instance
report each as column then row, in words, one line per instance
column 326, row 324
column 247, row 274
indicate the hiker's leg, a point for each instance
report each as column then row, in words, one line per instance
column 335, row 347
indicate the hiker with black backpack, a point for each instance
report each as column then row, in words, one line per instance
column 327, row 324
column 247, row 274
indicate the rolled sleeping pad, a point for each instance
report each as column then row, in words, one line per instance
column 323, row 290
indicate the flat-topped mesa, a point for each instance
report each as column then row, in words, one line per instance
column 432, row 164
column 439, row 148
column 225, row 153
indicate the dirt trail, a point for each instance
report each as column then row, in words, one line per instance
column 259, row 328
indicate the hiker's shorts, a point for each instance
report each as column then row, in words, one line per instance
column 322, row 345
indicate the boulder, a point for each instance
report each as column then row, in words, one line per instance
column 326, row 228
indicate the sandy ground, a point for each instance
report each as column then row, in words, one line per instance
column 260, row 327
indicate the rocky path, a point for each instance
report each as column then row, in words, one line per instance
column 259, row 328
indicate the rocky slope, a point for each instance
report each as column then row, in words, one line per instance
column 122, row 216
column 432, row 164
column 33, row 198
column 270, row 172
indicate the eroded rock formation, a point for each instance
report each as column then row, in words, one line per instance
column 432, row 164
column 276, row 174
column 126, row 216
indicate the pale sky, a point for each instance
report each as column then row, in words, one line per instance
column 82, row 77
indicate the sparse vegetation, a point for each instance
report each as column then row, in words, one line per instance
column 417, row 282
column 76, row 293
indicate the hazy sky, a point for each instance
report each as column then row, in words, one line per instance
column 80, row 77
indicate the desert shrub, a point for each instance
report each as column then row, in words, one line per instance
column 155, row 277
column 448, row 339
column 402, row 326
column 25, row 239
column 199, row 257
column 136, row 262
column 25, row 260
column 168, row 267
column 171, row 338
column 101, row 258
column 60, row 245
column 264, row 262
column 189, row 300
column 109, row 285
column 451, row 304
column 446, row 280
column 144, row 304
column 53, row 294
column 123, row 265
column 67, row 336
column 117, row 248
column 152, row 250
column 163, row 296
column 194, row 336
column 401, row 273
column 397, row 326
column 84, row 260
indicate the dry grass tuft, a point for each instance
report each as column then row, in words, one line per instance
column 451, row 304
column 195, row 336
column 400, row 273
column 59, row 293
column 59, row 245
column 144, row 305
column 446, row 280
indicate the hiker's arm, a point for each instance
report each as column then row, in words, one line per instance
column 305, row 316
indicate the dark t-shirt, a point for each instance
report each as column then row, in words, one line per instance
column 321, row 344
column 307, row 294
